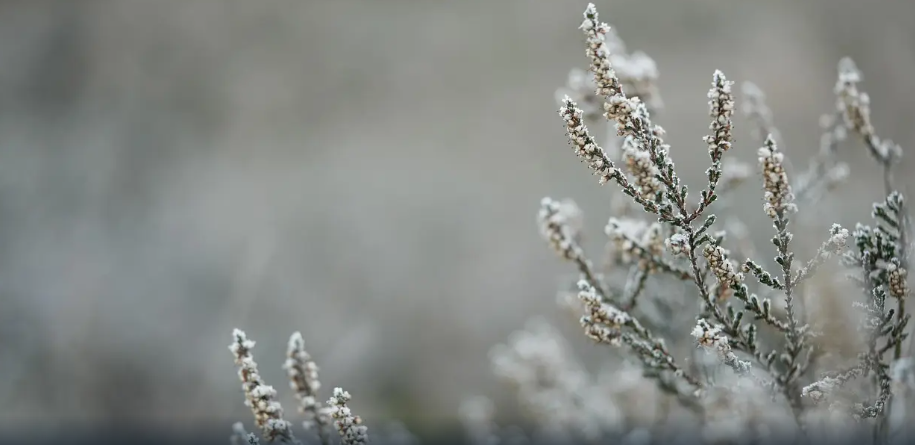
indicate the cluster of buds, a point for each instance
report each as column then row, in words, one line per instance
column 603, row 321
column 779, row 199
column 898, row 285
column 607, row 82
column 260, row 397
column 350, row 427
column 643, row 170
column 713, row 337
column 721, row 266
column 303, row 379
column 721, row 108
column 584, row 144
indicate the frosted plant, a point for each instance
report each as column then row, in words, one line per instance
column 752, row 316
column 350, row 427
column 303, row 380
column 260, row 397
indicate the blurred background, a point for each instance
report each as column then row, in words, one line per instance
column 367, row 173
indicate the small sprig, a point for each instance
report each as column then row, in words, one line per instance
column 605, row 323
column 260, row 397
column 818, row 391
column 560, row 225
column 721, row 109
column 303, row 379
column 349, row 426
column 605, row 78
column 779, row 198
column 633, row 120
column 835, row 245
column 588, row 150
column 713, row 337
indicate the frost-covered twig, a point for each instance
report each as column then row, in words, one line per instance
column 303, row 379
column 260, row 397
column 349, row 426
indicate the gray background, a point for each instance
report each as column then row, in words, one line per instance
column 365, row 172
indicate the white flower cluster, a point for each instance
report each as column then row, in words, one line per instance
column 350, row 427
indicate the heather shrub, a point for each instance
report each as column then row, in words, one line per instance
column 707, row 332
